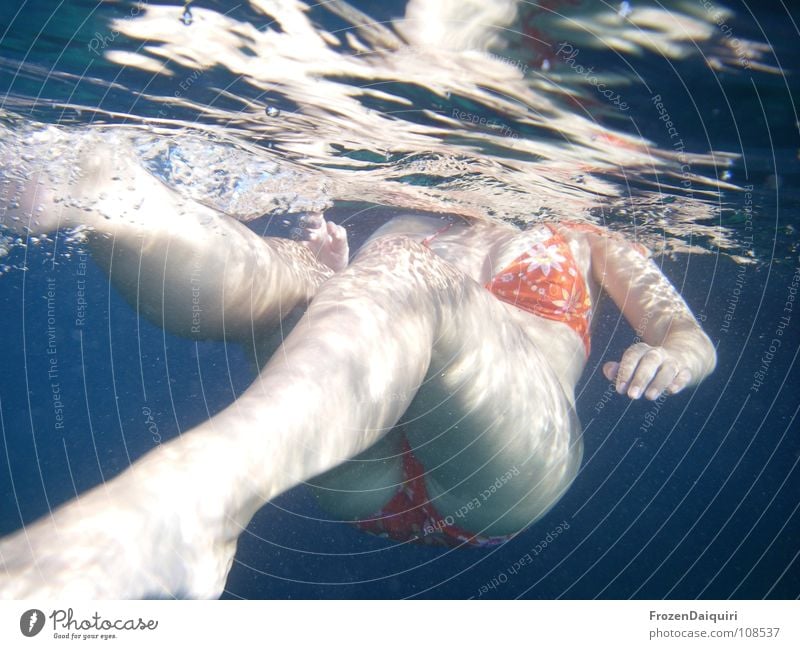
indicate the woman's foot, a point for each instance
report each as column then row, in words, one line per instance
column 325, row 239
column 149, row 532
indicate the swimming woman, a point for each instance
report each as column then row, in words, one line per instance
column 436, row 365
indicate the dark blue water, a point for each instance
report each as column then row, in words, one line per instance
column 697, row 496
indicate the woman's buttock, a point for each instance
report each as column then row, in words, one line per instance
column 492, row 429
column 502, row 453
column 360, row 487
column 495, row 448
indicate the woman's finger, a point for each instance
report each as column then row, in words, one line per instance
column 628, row 364
column 610, row 370
column 679, row 382
column 646, row 369
column 666, row 375
column 311, row 220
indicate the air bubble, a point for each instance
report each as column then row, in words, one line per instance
column 187, row 17
column 272, row 111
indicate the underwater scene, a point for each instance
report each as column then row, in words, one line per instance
column 248, row 346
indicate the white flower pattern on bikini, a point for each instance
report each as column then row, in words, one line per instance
column 544, row 259
column 545, row 280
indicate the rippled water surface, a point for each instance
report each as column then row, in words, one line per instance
column 673, row 122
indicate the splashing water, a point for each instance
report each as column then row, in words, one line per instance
column 269, row 112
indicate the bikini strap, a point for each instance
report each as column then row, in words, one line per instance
column 427, row 240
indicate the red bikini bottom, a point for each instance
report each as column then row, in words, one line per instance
column 410, row 516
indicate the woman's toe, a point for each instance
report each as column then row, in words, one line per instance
column 311, row 221
column 338, row 236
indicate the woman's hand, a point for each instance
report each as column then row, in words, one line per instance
column 650, row 371
column 675, row 352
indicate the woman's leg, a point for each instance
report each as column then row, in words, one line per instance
column 184, row 266
column 378, row 328
column 168, row 525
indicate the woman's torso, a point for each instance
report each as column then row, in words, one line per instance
column 483, row 251
column 442, row 420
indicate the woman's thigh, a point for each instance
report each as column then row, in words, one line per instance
column 359, row 488
column 186, row 267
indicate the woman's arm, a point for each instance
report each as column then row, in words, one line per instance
column 675, row 352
